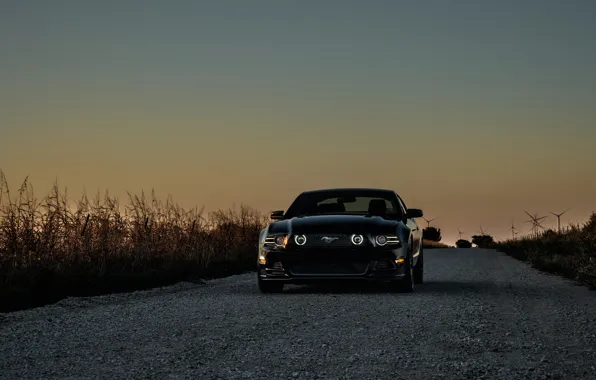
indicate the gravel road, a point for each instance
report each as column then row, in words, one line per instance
column 480, row 314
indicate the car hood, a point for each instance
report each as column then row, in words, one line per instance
column 333, row 224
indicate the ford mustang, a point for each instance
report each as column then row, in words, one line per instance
column 342, row 234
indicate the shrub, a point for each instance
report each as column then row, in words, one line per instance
column 432, row 234
column 461, row 243
column 483, row 241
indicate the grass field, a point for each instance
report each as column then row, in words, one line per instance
column 53, row 247
column 570, row 253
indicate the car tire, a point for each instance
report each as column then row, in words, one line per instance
column 270, row 286
column 419, row 268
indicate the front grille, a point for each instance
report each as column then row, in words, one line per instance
column 329, row 268
column 330, row 240
column 385, row 264
column 346, row 262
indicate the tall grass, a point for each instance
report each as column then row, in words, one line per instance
column 571, row 252
column 429, row 244
column 53, row 247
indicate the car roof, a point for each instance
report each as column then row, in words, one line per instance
column 341, row 189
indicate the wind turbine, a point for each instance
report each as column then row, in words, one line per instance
column 513, row 229
column 428, row 221
column 535, row 220
column 482, row 231
column 559, row 219
column 460, row 233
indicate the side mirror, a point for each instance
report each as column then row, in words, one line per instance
column 277, row 215
column 413, row 213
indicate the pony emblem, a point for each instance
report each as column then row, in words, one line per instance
column 328, row 239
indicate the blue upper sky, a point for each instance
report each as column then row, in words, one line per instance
column 398, row 52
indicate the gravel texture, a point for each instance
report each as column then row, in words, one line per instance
column 480, row 315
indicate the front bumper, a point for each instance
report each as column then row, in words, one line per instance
column 313, row 265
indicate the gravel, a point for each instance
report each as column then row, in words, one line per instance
column 480, row 315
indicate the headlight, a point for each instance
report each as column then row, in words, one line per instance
column 357, row 239
column 383, row 240
column 300, row 239
column 276, row 240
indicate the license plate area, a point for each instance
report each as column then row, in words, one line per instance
column 328, row 263
column 328, row 269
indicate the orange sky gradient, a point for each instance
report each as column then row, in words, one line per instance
column 473, row 114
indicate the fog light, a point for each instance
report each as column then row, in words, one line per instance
column 400, row 261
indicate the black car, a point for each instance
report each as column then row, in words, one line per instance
column 342, row 234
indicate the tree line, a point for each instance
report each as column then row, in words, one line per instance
column 481, row 241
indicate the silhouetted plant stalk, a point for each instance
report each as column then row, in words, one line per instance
column 55, row 243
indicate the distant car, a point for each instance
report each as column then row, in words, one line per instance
column 342, row 234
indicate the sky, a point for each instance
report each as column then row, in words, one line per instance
column 473, row 111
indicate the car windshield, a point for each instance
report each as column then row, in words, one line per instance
column 363, row 202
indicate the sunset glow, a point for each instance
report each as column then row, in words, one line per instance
column 472, row 111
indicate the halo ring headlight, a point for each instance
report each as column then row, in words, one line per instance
column 300, row 239
column 381, row 240
column 357, row 239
